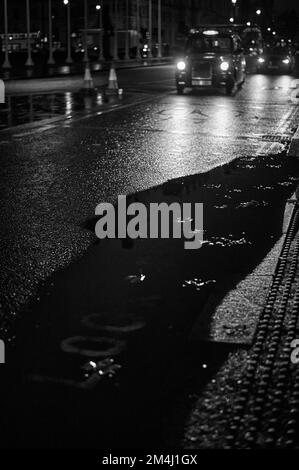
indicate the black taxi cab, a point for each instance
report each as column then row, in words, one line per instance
column 213, row 58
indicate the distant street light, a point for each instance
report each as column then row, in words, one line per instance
column 269, row 29
column 234, row 2
column 274, row 33
column 150, row 27
column 231, row 20
column 115, row 52
column 259, row 12
column 99, row 9
column 248, row 23
column 51, row 60
column 138, row 55
column 29, row 62
column 159, row 30
column 127, row 55
column 85, row 32
column 6, row 64
column 69, row 46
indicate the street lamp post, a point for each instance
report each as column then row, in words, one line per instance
column 258, row 12
column 115, row 52
column 101, row 54
column 6, row 64
column 29, row 62
column 85, row 32
column 138, row 55
column 51, row 58
column 159, row 30
column 127, row 56
column 234, row 2
column 150, row 27
column 69, row 45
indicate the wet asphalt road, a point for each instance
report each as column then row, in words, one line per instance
column 54, row 175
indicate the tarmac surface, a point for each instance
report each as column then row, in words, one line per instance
column 105, row 336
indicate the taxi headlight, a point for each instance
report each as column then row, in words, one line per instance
column 261, row 60
column 286, row 61
column 224, row 66
column 181, row 65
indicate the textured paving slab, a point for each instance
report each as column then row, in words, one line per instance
column 233, row 316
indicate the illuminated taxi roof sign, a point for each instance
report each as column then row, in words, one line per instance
column 210, row 32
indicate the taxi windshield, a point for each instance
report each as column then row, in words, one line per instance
column 199, row 44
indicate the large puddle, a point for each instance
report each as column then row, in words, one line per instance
column 98, row 352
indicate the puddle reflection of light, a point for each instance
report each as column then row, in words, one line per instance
column 223, row 116
column 68, row 103
column 268, row 84
column 64, row 69
column 99, row 99
column 285, row 82
column 180, row 117
column 257, row 92
column 176, row 151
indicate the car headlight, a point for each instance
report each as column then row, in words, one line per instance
column 181, row 65
column 261, row 60
column 224, row 66
column 286, row 61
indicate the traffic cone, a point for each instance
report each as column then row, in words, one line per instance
column 112, row 80
column 88, row 86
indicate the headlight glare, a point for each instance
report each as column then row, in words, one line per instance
column 224, row 66
column 261, row 60
column 181, row 65
column 286, row 61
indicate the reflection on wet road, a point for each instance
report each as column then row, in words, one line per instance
column 34, row 107
column 84, row 322
column 52, row 180
column 139, row 299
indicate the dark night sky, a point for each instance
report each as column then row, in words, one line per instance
column 284, row 4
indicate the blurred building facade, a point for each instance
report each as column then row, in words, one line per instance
column 177, row 17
